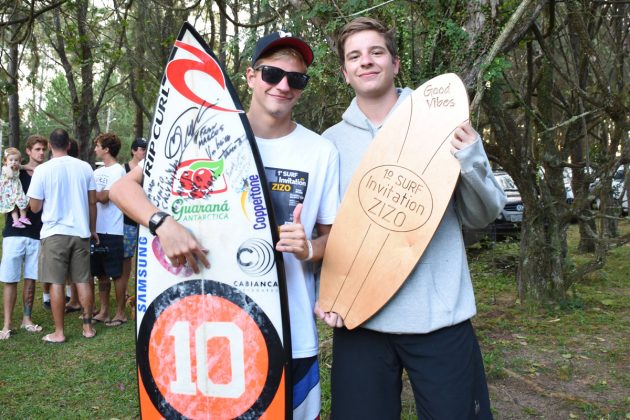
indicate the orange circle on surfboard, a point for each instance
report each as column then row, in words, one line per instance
column 182, row 382
column 206, row 347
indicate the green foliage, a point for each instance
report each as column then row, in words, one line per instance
column 57, row 111
column 571, row 304
column 6, row 88
column 496, row 68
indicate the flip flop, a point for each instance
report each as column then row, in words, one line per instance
column 98, row 320
column 70, row 309
column 115, row 322
column 5, row 335
column 32, row 328
column 88, row 335
column 93, row 313
column 47, row 339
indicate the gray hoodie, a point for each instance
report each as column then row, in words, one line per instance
column 438, row 292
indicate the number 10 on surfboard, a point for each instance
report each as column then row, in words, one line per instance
column 217, row 344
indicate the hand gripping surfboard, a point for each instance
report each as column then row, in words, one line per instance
column 394, row 203
column 215, row 344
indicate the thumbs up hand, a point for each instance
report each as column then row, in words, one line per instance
column 293, row 238
column 297, row 214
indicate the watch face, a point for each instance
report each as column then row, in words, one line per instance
column 156, row 220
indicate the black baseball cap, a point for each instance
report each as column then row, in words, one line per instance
column 282, row 39
column 139, row 142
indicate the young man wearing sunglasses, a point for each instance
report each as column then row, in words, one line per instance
column 425, row 328
column 304, row 166
column 302, row 170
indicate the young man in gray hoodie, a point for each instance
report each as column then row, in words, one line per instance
column 425, row 328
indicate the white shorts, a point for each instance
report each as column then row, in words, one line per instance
column 15, row 251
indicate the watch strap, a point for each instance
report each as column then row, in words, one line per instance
column 156, row 221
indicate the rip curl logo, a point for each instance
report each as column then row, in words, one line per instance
column 196, row 178
column 177, row 72
column 284, row 34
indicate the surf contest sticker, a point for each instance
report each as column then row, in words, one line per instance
column 214, row 344
column 288, row 189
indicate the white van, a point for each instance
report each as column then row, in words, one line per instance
column 619, row 192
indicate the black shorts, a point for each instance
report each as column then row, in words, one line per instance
column 107, row 257
column 445, row 369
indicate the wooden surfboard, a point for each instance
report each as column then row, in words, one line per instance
column 394, row 203
column 215, row 344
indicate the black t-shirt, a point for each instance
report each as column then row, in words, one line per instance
column 128, row 220
column 31, row 231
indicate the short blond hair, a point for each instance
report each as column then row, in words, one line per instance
column 282, row 53
column 11, row 151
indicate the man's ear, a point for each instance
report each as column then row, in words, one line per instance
column 396, row 65
column 345, row 74
column 250, row 75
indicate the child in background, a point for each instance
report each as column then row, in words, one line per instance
column 12, row 197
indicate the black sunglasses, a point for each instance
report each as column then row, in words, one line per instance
column 273, row 75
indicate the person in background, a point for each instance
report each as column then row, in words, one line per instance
column 20, row 247
column 72, row 300
column 72, row 297
column 138, row 151
column 12, row 198
column 63, row 189
column 107, row 254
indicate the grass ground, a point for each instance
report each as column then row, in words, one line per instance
column 568, row 361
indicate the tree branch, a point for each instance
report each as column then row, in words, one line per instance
column 223, row 11
column 33, row 15
column 496, row 48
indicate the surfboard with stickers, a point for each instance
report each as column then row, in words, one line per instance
column 214, row 344
column 394, row 202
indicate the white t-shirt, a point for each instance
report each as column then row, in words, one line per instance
column 304, row 168
column 62, row 184
column 109, row 218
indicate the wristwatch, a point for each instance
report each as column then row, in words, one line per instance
column 156, row 220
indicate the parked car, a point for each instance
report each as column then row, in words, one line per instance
column 618, row 190
column 567, row 174
column 508, row 223
column 566, row 179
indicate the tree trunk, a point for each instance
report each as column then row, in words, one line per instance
column 138, row 70
column 540, row 276
column 222, row 54
column 82, row 108
column 14, row 97
column 543, row 236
